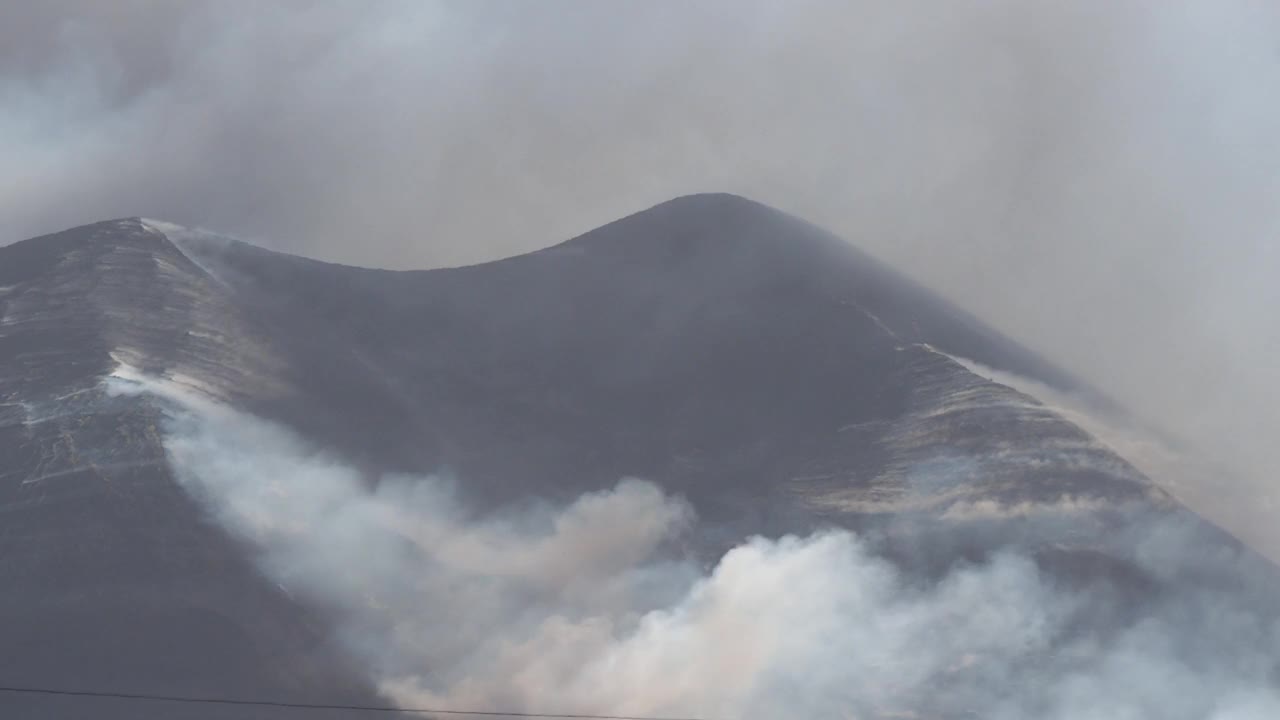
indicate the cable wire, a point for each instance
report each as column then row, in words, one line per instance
column 319, row 706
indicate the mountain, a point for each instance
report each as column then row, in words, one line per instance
column 767, row 371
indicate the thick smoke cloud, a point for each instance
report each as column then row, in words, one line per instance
column 598, row 606
column 1097, row 178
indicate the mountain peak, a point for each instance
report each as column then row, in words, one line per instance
column 716, row 202
column 723, row 226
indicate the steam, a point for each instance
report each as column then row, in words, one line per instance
column 597, row 606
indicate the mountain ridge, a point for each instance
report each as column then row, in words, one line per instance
column 713, row 211
column 740, row 228
column 771, row 375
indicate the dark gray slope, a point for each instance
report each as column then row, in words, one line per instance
column 759, row 366
column 112, row 579
column 710, row 343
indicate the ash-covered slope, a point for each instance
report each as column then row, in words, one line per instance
column 767, row 371
column 113, row 579
column 735, row 353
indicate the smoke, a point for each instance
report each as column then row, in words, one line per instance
column 602, row 606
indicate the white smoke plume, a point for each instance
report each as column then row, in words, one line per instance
column 594, row 606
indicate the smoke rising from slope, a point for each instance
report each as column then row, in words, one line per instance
column 597, row 606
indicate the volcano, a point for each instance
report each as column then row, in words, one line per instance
column 769, row 372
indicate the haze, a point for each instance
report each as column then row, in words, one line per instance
column 1097, row 178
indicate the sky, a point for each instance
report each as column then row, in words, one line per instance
column 1096, row 178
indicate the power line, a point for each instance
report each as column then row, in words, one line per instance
column 318, row 706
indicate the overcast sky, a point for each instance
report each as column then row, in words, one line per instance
column 1098, row 178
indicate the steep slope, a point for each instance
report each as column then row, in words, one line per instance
column 113, row 579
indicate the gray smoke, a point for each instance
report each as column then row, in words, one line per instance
column 594, row 607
